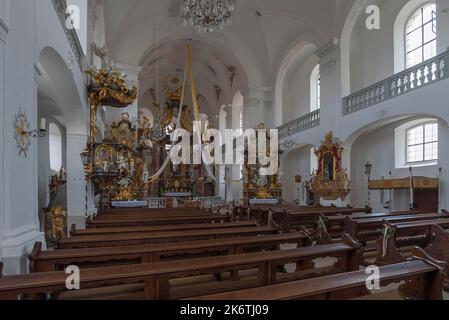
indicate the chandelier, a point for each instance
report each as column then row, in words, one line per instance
column 207, row 15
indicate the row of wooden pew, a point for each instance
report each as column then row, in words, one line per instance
column 203, row 255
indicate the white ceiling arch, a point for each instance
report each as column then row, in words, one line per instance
column 258, row 36
column 57, row 86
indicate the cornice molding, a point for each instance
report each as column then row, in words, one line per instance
column 327, row 48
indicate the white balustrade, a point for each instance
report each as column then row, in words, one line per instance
column 301, row 124
column 421, row 75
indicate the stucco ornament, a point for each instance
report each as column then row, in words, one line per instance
column 21, row 127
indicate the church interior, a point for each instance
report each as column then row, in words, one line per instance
column 221, row 150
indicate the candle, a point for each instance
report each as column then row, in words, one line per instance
column 43, row 124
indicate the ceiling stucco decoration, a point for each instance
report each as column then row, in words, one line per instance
column 328, row 67
column 217, row 72
column 71, row 62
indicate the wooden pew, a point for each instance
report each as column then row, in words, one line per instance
column 299, row 218
column 242, row 213
column 369, row 229
column 425, row 273
column 167, row 236
column 336, row 224
column 427, row 234
column 150, row 210
column 148, row 221
column 175, row 227
column 261, row 213
column 160, row 213
column 156, row 277
column 329, row 228
column 150, row 253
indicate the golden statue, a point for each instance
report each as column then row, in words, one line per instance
column 58, row 220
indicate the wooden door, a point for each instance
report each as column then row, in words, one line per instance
column 426, row 200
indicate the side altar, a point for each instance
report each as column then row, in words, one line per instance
column 259, row 189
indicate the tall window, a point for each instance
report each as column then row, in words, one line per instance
column 421, row 35
column 55, row 141
column 315, row 89
column 422, row 143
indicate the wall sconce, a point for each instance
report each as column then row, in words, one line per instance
column 86, row 159
column 289, row 144
column 23, row 133
column 368, row 169
column 37, row 133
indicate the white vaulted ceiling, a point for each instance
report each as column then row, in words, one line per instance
column 261, row 35
column 131, row 27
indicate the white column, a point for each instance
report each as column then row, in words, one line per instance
column 3, row 36
column 77, row 198
column 330, row 86
column 20, row 227
column 256, row 108
column 331, row 98
column 223, row 191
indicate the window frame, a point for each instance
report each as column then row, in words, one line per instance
column 315, row 88
column 422, row 26
column 51, row 136
column 407, row 146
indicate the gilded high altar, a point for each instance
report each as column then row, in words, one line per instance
column 124, row 166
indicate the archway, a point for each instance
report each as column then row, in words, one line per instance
column 60, row 105
column 385, row 145
column 298, row 60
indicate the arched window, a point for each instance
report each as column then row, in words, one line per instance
column 422, row 143
column 55, row 142
column 421, row 35
column 315, row 89
column 313, row 161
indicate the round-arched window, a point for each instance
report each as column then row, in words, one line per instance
column 421, row 35
column 315, row 89
column 55, row 144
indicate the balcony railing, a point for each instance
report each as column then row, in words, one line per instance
column 299, row 125
column 421, row 75
column 72, row 37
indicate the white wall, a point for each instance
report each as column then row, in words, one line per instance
column 296, row 100
column 296, row 162
column 33, row 26
column 4, row 13
column 372, row 51
column 442, row 25
column 378, row 147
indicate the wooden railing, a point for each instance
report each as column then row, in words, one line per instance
column 421, row 75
